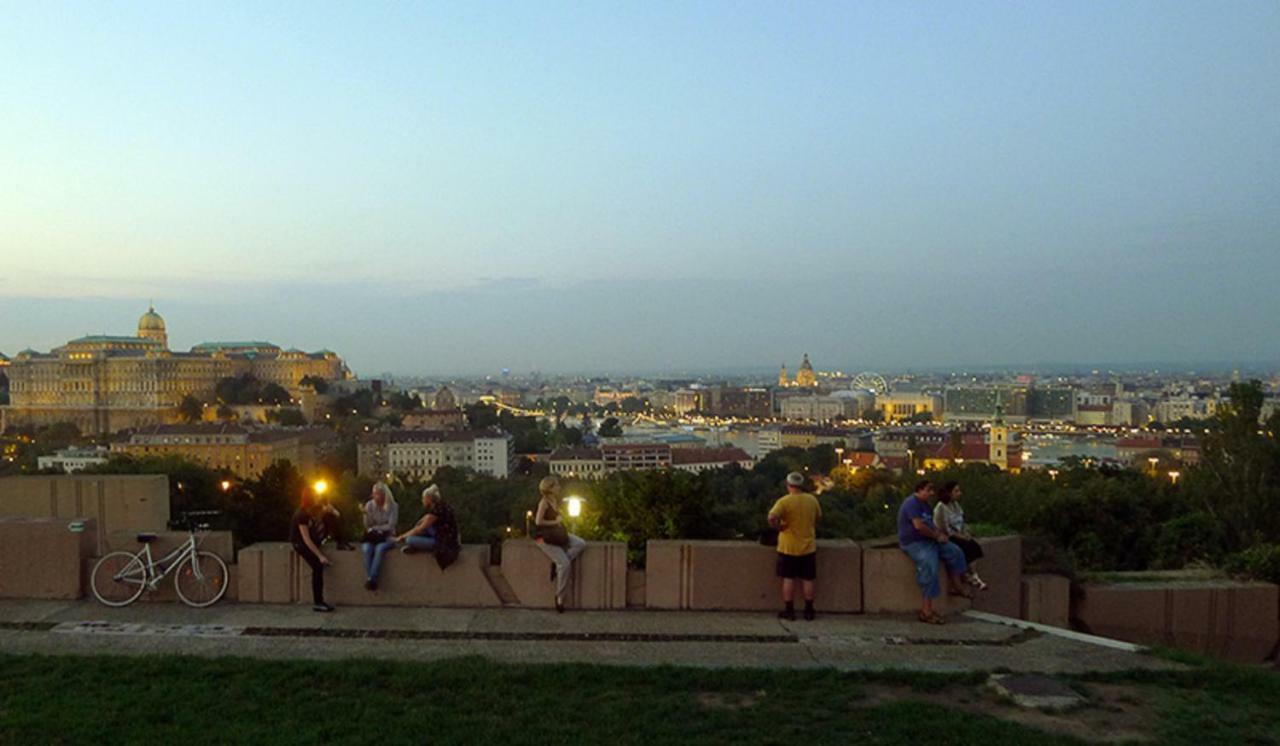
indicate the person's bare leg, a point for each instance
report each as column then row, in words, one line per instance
column 788, row 599
column 808, row 586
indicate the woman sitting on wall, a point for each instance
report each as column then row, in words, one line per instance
column 553, row 538
column 948, row 516
column 380, row 516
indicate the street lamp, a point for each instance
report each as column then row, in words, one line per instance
column 225, row 485
column 1053, row 474
column 575, row 506
column 320, row 486
column 1173, row 476
column 1153, row 461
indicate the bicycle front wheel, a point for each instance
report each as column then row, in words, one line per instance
column 118, row 579
column 201, row 580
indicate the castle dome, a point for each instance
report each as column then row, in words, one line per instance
column 151, row 326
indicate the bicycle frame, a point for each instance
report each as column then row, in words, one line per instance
column 158, row 570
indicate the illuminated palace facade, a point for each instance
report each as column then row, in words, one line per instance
column 103, row 384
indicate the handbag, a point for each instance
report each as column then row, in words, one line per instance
column 374, row 537
column 556, row 535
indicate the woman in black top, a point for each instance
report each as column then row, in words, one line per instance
column 553, row 538
column 308, row 548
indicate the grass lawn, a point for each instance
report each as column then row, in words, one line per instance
column 159, row 700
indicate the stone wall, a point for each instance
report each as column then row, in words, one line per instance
column 116, row 502
column 889, row 579
column 598, row 579
column 740, row 575
column 43, row 557
column 1223, row 618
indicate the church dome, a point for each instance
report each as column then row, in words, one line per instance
column 150, row 322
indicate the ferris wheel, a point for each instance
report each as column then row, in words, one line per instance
column 870, row 382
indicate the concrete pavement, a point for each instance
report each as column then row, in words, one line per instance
column 706, row 639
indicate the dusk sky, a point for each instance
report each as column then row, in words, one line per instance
column 464, row 187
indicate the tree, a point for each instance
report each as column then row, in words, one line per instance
column 1238, row 480
column 610, row 428
column 318, row 384
column 190, row 409
column 287, row 417
column 275, row 395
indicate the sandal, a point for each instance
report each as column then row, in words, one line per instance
column 930, row 618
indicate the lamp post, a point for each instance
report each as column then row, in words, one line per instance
column 1173, row 476
column 1153, row 461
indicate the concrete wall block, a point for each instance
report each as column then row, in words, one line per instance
column 117, row 502
column 740, row 575
column 406, row 580
column 43, row 558
column 266, row 573
column 1046, row 599
column 217, row 542
column 889, row 580
column 598, row 581
column 1228, row 619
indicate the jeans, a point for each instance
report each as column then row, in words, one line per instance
column 373, row 557
column 317, row 572
column 563, row 558
column 425, row 542
column 927, row 555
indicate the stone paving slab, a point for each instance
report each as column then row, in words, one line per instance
column 704, row 639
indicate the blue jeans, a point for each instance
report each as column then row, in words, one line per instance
column 373, row 557
column 423, row 542
column 927, row 555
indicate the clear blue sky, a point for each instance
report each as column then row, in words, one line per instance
column 681, row 185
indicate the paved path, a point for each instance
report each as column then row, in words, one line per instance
column 849, row 642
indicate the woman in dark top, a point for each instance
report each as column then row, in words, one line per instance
column 553, row 538
column 308, row 548
column 436, row 531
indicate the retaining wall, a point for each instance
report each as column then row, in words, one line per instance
column 1046, row 599
column 740, row 575
column 889, row 579
column 116, row 502
column 598, row 580
column 1226, row 619
column 43, row 558
column 271, row 572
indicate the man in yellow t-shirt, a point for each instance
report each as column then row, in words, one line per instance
column 795, row 515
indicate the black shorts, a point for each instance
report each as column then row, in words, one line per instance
column 804, row 567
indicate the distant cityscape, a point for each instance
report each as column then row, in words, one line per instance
column 241, row 406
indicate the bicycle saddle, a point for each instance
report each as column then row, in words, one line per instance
column 146, row 538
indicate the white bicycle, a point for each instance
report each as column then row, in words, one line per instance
column 120, row 578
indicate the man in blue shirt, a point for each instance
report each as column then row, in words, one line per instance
column 927, row 547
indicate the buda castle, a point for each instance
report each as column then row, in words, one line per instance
column 103, row 384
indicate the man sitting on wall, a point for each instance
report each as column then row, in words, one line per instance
column 795, row 516
column 928, row 548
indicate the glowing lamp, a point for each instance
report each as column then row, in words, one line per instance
column 575, row 507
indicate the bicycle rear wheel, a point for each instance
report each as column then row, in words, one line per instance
column 201, row 580
column 118, row 579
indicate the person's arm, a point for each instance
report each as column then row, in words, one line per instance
column 778, row 517
column 393, row 518
column 541, row 518
column 423, row 523
column 923, row 527
column 940, row 518
column 305, row 532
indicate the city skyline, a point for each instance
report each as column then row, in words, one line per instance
column 457, row 191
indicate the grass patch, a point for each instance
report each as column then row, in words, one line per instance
column 94, row 700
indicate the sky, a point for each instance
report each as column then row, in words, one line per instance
column 458, row 188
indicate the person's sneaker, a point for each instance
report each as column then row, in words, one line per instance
column 809, row 614
column 787, row 615
column 322, row 607
column 368, row 585
column 373, row 585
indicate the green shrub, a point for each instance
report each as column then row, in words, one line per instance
column 1259, row 562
